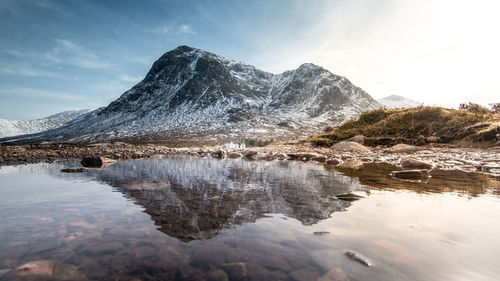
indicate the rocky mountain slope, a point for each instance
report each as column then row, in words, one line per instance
column 23, row 127
column 189, row 92
column 395, row 101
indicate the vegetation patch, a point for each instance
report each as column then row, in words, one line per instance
column 416, row 125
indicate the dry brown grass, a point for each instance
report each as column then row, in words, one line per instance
column 446, row 124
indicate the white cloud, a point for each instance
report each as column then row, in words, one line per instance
column 435, row 51
column 131, row 79
column 186, row 29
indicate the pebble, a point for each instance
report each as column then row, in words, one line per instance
column 358, row 257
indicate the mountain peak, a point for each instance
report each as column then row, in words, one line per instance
column 190, row 92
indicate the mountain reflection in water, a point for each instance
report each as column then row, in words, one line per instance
column 238, row 220
column 196, row 199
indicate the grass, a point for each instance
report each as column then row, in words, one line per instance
column 407, row 125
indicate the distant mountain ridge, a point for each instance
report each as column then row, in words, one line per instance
column 395, row 101
column 23, row 127
column 189, row 92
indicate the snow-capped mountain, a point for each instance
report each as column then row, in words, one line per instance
column 189, row 92
column 395, row 101
column 23, row 127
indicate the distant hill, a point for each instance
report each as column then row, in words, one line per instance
column 22, row 127
column 395, row 101
column 191, row 93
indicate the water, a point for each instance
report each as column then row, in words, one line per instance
column 204, row 219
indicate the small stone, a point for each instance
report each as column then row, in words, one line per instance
column 358, row 257
column 320, row 159
column 410, row 174
column 353, row 164
column 333, row 161
column 432, row 139
column 412, row 163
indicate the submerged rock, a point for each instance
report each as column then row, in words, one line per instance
column 39, row 267
column 336, row 274
column 73, row 170
column 236, row 270
column 410, row 174
column 358, row 257
column 412, row 163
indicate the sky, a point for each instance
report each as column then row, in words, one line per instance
column 83, row 54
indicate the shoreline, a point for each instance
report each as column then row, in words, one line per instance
column 351, row 155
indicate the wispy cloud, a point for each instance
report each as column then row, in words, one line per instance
column 40, row 94
column 68, row 53
column 25, row 70
column 131, row 79
column 186, row 29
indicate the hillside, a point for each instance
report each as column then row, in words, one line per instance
column 395, row 101
column 416, row 126
column 23, row 127
column 190, row 92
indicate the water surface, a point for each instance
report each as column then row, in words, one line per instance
column 205, row 219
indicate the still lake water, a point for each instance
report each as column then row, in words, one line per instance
column 205, row 219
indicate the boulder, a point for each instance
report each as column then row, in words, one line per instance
column 412, row 163
column 403, row 148
column 234, row 155
column 249, row 153
column 359, row 139
column 410, row 174
column 293, row 156
column 96, row 162
column 349, row 146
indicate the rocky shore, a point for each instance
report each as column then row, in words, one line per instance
column 345, row 154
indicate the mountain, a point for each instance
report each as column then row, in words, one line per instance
column 22, row 127
column 395, row 101
column 189, row 92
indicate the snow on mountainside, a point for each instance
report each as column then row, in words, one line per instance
column 22, row 127
column 189, row 92
column 395, row 101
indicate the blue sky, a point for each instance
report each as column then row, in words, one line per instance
column 77, row 54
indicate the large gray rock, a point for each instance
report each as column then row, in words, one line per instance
column 349, row 146
column 403, row 148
